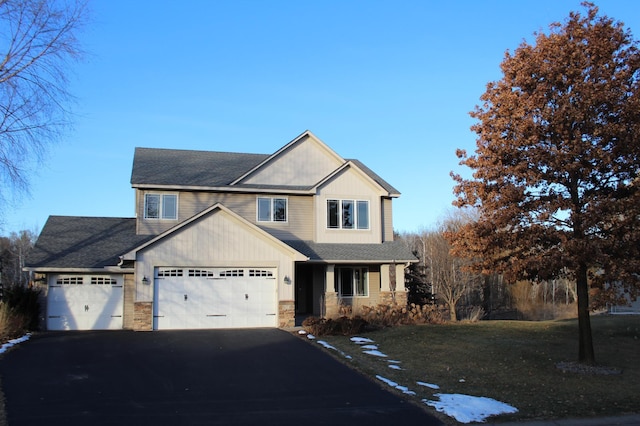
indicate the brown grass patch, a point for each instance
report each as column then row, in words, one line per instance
column 514, row 362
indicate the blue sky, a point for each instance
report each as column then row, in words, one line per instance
column 390, row 83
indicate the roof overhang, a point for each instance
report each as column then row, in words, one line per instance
column 235, row 188
column 54, row 270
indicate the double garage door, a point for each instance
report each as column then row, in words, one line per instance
column 192, row 298
column 85, row 302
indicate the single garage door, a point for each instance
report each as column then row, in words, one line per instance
column 190, row 298
column 85, row 302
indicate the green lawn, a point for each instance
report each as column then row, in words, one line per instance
column 513, row 362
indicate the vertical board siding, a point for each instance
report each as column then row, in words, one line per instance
column 216, row 240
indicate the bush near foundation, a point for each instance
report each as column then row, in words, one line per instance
column 374, row 317
column 392, row 315
column 345, row 326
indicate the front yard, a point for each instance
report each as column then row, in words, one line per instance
column 514, row 362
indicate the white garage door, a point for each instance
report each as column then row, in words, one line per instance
column 189, row 298
column 85, row 302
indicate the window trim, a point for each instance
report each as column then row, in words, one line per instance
column 161, row 196
column 356, row 221
column 272, row 210
column 364, row 273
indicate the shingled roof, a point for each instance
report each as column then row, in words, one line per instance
column 176, row 167
column 388, row 251
column 153, row 166
column 72, row 242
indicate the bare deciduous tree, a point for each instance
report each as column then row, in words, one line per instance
column 38, row 41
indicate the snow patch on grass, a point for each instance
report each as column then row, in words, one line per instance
column 428, row 385
column 467, row 408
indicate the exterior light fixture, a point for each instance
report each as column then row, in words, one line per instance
column 287, row 280
column 145, row 280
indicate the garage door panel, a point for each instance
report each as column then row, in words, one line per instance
column 85, row 302
column 215, row 298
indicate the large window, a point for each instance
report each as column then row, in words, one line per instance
column 352, row 282
column 272, row 209
column 161, row 206
column 347, row 214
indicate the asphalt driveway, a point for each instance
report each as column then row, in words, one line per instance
column 208, row 377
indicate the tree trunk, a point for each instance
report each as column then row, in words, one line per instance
column 452, row 311
column 586, row 354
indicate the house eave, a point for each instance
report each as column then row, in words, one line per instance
column 237, row 189
column 51, row 269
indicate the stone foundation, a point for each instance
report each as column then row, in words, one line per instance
column 286, row 314
column 331, row 305
column 388, row 298
column 143, row 316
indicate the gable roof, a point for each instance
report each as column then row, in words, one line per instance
column 175, row 168
column 131, row 254
column 72, row 242
column 298, row 140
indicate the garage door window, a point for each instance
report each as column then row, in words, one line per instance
column 201, row 273
column 260, row 273
column 170, row 272
column 69, row 281
column 232, row 273
column 103, row 281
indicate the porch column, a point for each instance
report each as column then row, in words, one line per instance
column 392, row 289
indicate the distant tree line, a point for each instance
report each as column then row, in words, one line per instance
column 440, row 277
column 13, row 251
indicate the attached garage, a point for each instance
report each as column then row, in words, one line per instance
column 204, row 298
column 85, row 302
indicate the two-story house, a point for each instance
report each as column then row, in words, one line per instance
column 224, row 240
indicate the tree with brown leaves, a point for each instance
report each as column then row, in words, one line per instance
column 556, row 169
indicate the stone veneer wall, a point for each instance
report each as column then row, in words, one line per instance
column 286, row 313
column 128, row 308
column 387, row 298
column 143, row 316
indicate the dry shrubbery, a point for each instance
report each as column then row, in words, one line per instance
column 375, row 317
column 542, row 312
column 12, row 324
column 341, row 326
column 392, row 315
column 18, row 311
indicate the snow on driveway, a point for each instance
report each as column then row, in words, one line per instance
column 463, row 408
column 14, row 342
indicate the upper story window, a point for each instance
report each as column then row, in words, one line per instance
column 347, row 214
column 272, row 209
column 161, row 206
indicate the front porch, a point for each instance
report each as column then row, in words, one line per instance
column 332, row 291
